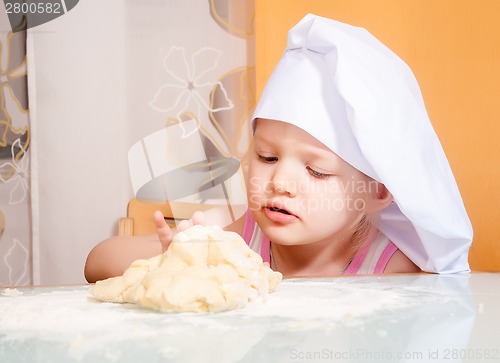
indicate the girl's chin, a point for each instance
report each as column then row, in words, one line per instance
column 279, row 235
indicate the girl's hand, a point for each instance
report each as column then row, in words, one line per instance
column 166, row 234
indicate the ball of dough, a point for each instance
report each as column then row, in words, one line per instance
column 204, row 269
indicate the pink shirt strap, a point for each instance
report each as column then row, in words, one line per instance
column 248, row 231
column 370, row 248
column 385, row 257
column 358, row 260
column 248, row 227
column 265, row 249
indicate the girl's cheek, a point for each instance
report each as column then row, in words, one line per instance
column 254, row 202
column 258, row 185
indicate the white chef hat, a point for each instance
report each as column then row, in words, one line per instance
column 352, row 93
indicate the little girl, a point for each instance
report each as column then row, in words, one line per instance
column 346, row 175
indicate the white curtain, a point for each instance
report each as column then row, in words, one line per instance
column 102, row 77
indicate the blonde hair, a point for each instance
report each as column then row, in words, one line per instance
column 362, row 229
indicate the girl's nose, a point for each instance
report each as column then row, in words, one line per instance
column 284, row 182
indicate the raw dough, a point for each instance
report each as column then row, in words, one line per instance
column 204, row 269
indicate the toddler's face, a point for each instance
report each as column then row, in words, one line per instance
column 299, row 190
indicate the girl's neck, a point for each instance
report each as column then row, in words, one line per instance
column 316, row 259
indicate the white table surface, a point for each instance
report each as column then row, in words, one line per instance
column 397, row 318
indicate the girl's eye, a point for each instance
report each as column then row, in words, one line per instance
column 317, row 174
column 268, row 159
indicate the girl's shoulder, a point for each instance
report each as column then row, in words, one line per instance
column 400, row 263
column 380, row 255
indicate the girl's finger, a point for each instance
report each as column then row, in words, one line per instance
column 163, row 231
column 183, row 225
column 199, row 218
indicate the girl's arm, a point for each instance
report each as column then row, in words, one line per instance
column 113, row 256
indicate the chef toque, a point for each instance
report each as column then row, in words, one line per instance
column 347, row 89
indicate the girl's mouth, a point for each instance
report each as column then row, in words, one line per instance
column 274, row 209
column 279, row 215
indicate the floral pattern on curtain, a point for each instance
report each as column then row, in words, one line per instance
column 220, row 104
column 15, row 221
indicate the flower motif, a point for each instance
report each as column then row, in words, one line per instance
column 16, row 172
column 190, row 91
column 17, row 253
column 13, row 94
column 13, row 64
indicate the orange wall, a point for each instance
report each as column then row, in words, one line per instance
column 453, row 47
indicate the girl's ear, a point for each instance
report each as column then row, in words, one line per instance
column 380, row 199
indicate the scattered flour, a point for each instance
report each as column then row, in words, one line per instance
column 382, row 333
column 301, row 313
column 11, row 292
